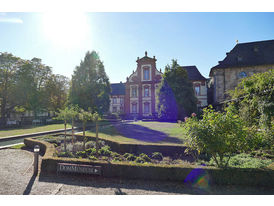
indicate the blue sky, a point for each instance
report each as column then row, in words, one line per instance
column 62, row 39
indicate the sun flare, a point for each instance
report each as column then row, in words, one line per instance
column 66, row 30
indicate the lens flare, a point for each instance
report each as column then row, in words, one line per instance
column 198, row 178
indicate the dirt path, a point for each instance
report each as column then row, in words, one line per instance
column 16, row 178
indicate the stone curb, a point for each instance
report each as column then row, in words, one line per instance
column 33, row 134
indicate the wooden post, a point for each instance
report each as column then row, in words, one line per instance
column 97, row 139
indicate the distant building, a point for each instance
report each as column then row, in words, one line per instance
column 137, row 97
column 243, row 60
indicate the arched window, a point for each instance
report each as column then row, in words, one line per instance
column 146, row 91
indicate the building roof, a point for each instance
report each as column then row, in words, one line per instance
column 193, row 73
column 249, row 54
column 118, row 89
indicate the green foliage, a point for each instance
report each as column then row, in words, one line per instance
column 245, row 161
column 105, row 151
column 114, row 154
column 144, row 157
column 65, row 154
column 91, row 157
column 90, row 85
column 129, row 157
column 157, row 156
column 255, row 104
column 81, row 154
column 90, row 144
column 91, row 151
column 218, row 134
column 176, row 98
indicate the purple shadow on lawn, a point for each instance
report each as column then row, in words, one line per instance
column 144, row 134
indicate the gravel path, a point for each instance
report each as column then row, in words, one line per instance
column 16, row 178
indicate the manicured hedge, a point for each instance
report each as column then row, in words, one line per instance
column 166, row 150
column 189, row 173
column 46, row 149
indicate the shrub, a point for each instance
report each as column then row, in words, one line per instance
column 90, row 144
column 114, row 154
column 104, row 158
column 145, row 157
column 91, row 157
column 82, row 154
column 105, row 150
column 126, row 155
column 139, row 160
column 130, row 157
column 245, row 161
column 218, row 134
column 65, row 154
column 91, row 151
column 157, row 156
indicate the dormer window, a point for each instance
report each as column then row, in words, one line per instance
column 146, row 74
column 242, row 75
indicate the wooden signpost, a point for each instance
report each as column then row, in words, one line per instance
column 77, row 168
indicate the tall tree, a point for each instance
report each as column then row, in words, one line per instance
column 8, row 66
column 56, row 90
column 31, row 85
column 176, row 98
column 90, row 85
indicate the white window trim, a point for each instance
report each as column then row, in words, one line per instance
column 142, row 72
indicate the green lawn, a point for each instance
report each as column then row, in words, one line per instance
column 142, row 132
column 30, row 129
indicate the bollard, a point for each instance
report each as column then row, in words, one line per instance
column 36, row 159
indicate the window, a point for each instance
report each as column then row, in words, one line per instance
column 197, row 90
column 134, row 108
column 114, row 109
column 146, row 74
column 134, row 92
column 146, row 108
column 121, row 109
column 121, row 100
column 242, row 75
column 146, row 92
column 114, row 100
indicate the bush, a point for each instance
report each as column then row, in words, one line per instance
column 114, row 154
column 90, row 144
column 82, row 154
column 91, row 157
column 65, row 154
column 139, row 160
column 157, row 156
column 218, row 134
column 91, row 151
column 145, row 157
column 105, row 158
column 105, row 150
column 130, row 157
column 245, row 161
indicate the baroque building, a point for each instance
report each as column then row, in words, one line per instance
column 242, row 61
column 137, row 97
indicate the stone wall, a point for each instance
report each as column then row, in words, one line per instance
column 228, row 78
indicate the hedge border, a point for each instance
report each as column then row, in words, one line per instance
column 231, row 176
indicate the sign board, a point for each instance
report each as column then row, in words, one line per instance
column 76, row 168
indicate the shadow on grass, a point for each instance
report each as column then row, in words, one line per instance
column 119, row 185
column 138, row 132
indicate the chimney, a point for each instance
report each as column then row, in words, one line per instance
column 153, row 57
column 146, row 53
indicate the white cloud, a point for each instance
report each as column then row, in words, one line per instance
column 11, row 20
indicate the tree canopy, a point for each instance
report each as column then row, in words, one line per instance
column 90, row 85
column 176, row 98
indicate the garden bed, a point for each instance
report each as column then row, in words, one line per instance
column 155, row 169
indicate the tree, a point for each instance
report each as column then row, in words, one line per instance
column 85, row 116
column 218, row 134
column 56, row 90
column 64, row 114
column 90, row 85
column 254, row 97
column 8, row 66
column 30, row 88
column 95, row 118
column 176, row 98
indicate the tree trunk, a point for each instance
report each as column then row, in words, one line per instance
column 84, row 136
column 65, row 142
column 97, row 139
